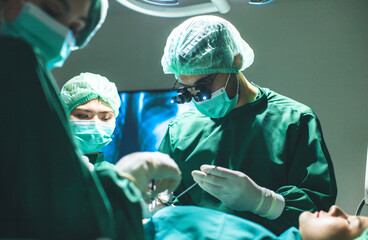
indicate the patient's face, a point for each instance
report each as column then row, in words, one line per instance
column 334, row 224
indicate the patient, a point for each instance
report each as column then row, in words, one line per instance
column 191, row 222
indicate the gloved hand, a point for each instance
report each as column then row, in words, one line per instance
column 143, row 167
column 151, row 205
column 90, row 166
column 238, row 191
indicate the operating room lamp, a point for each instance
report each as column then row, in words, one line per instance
column 221, row 6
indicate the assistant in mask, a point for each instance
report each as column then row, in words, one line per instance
column 253, row 152
column 92, row 103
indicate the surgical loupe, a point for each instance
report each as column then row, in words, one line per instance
column 184, row 96
column 201, row 94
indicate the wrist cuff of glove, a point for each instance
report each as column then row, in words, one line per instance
column 276, row 204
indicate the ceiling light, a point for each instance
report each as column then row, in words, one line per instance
column 163, row 2
column 260, row 2
column 221, row 6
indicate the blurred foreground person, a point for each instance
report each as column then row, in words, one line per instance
column 46, row 190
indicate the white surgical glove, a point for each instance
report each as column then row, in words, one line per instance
column 143, row 167
column 90, row 166
column 238, row 191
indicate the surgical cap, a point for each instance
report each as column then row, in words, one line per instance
column 88, row 86
column 96, row 17
column 205, row 44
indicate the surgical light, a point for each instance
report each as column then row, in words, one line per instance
column 163, row 2
column 260, row 2
column 158, row 8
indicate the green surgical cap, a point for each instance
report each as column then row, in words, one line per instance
column 96, row 17
column 87, row 86
column 205, row 44
column 363, row 236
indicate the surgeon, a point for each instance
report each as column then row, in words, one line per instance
column 253, row 152
column 46, row 191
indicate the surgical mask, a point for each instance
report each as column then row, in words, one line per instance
column 92, row 135
column 219, row 104
column 43, row 33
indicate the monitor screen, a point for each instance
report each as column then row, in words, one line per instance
column 142, row 122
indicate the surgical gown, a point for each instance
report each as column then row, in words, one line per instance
column 46, row 191
column 98, row 161
column 275, row 140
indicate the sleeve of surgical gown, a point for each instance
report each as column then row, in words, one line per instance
column 46, row 191
column 122, row 194
column 311, row 184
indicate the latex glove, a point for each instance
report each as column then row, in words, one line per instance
column 238, row 191
column 151, row 205
column 142, row 167
column 90, row 166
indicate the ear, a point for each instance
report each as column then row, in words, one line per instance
column 238, row 60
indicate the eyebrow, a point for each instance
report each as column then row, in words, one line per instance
column 89, row 111
column 360, row 222
column 68, row 9
column 66, row 5
column 205, row 78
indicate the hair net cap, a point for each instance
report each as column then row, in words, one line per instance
column 87, row 86
column 96, row 17
column 205, row 44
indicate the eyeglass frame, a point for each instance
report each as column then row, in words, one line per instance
column 201, row 89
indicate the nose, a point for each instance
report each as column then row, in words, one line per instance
column 192, row 90
column 336, row 211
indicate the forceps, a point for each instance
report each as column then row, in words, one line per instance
column 175, row 198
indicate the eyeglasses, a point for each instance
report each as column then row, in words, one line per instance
column 202, row 92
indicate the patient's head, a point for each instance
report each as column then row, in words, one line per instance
column 334, row 224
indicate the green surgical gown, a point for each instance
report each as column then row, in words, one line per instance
column 46, row 191
column 275, row 140
column 98, row 161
